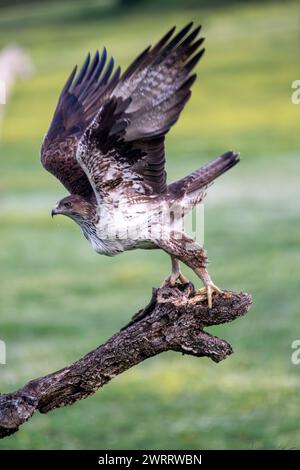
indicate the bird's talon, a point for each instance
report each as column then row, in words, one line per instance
column 209, row 290
column 173, row 278
column 183, row 279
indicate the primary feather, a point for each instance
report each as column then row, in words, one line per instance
column 151, row 94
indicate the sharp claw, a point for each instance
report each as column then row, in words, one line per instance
column 209, row 296
column 217, row 289
column 183, row 279
column 171, row 280
column 209, row 290
column 202, row 291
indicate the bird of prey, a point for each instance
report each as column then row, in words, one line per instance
column 106, row 146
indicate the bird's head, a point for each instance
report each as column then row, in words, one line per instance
column 75, row 207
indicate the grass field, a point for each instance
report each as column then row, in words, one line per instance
column 59, row 300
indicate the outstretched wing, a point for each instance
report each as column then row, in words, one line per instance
column 123, row 149
column 78, row 104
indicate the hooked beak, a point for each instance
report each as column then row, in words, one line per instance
column 54, row 212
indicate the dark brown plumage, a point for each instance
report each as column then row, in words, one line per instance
column 157, row 84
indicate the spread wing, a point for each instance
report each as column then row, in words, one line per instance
column 122, row 151
column 79, row 102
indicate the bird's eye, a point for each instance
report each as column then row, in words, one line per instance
column 67, row 205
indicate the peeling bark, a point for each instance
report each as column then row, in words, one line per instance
column 174, row 320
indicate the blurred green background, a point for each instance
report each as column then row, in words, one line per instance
column 59, row 300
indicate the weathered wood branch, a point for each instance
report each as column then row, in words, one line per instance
column 173, row 320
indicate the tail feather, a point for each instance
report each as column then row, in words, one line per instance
column 201, row 178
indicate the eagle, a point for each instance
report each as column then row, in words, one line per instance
column 106, row 145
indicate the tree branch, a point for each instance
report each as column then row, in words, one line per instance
column 173, row 320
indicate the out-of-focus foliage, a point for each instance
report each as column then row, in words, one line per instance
column 59, row 299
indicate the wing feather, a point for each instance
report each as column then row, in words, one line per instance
column 106, row 158
column 78, row 104
column 125, row 142
column 118, row 122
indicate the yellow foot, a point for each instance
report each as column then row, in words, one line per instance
column 171, row 280
column 209, row 289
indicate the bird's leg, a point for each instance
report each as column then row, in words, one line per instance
column 209, row 287
column 185, row 249
column 175, row 274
